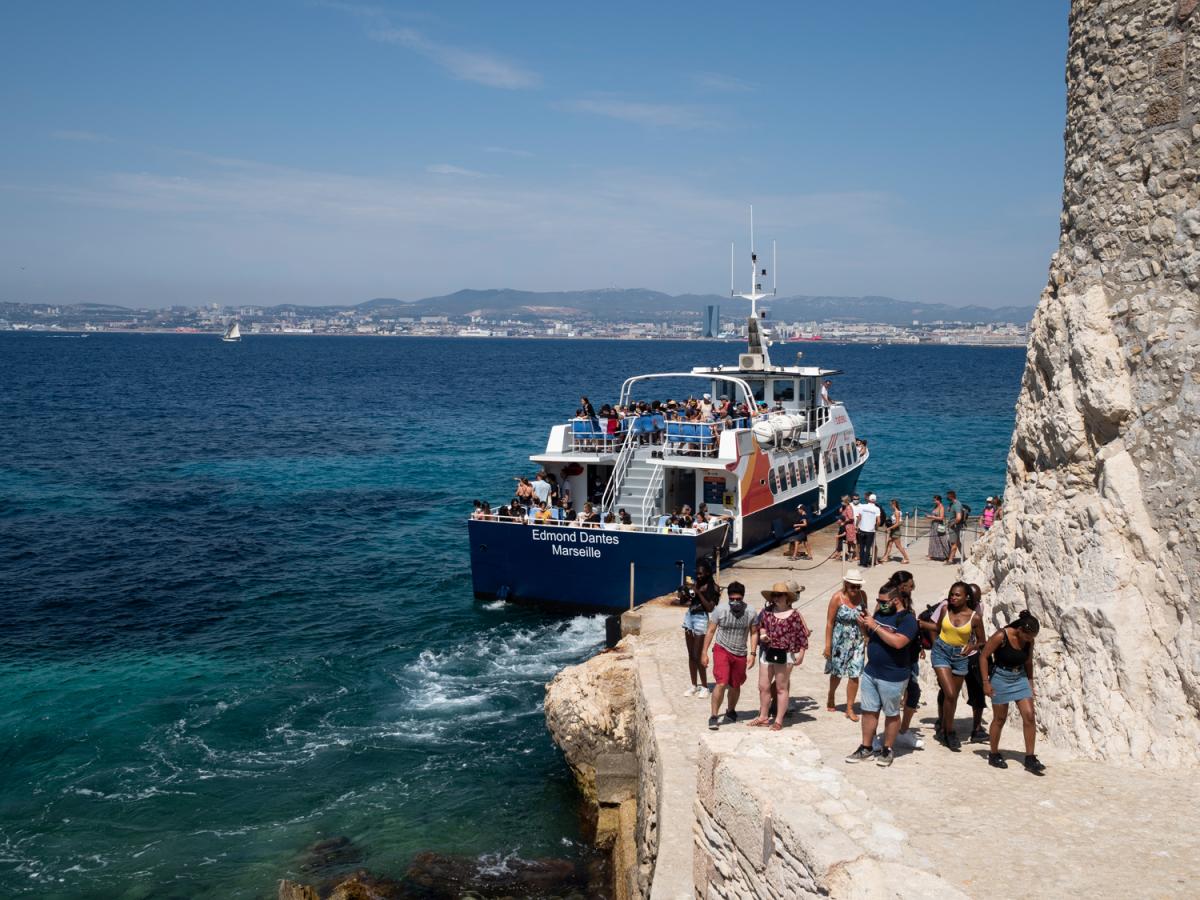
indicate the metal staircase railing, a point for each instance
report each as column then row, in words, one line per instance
column 613, row 489
column 651, row 494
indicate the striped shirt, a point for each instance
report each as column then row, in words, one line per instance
column 732, row 631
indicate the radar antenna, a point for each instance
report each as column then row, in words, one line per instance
column 756, row 336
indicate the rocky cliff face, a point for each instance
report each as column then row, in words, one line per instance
column 1102, row 508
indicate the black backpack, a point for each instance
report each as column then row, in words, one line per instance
column 966, row 513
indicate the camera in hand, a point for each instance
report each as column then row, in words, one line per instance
column 687, row 596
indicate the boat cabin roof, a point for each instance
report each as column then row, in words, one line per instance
column 784, row 371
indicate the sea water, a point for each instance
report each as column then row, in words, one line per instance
column 235, row 606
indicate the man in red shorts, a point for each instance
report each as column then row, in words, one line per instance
column 729, row 628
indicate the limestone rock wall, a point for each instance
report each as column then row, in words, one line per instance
column 778, row 824
column 1102, row 505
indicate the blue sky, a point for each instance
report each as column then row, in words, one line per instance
column 328, row 152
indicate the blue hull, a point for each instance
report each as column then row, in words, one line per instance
column 588, row 568
column 581, row 568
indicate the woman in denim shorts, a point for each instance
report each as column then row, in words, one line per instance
column 695, row 626
column 959, row 631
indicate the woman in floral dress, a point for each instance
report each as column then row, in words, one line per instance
column 845, row 649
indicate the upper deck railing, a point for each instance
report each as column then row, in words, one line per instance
column 610, row 436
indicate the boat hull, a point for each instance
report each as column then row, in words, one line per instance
column 581, row 568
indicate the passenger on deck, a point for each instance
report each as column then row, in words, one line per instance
column 625, row 520
column 525, row 492
column 825, row 401
column 591, row 518
column 610, row 522
column 541, row 488
column 477, row 513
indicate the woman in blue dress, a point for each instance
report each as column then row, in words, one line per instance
column 845, row 647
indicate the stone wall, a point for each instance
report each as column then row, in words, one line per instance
column 1102, row 508
column 778, row 824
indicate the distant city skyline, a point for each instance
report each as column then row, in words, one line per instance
column 323, row 153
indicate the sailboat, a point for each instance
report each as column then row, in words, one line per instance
column 233, row 334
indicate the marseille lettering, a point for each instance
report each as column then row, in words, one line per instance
column 566, row 542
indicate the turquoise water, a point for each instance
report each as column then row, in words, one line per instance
column 237, row 606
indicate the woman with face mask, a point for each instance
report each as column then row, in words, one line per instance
column 1010, row 652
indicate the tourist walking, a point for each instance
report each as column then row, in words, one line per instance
column 732, row 644
column 956, row 520
column 895, row 520
column 987, row 518
column 847, row 530
column 705, row 594
column 885, row 677
column 902, row 582
column 845, row 649
column 959, row 630
column 939, row 544
column 800, row 535
column 866, row 516
column 1010, row 652
column 782, row 640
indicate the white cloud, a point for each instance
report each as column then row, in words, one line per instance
column 466, row 65
column 447, row 169
column 725, row 84
column 662, row 115
column 86, row 137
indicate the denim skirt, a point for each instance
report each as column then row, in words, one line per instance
column 1009, row 685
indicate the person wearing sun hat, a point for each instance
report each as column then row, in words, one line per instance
column 782, row 640
column 845, row 650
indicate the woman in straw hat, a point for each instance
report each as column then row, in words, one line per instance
column 782, row 640
column 845, row 649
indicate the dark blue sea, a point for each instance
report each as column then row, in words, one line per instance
column 235, row 605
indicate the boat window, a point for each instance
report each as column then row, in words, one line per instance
column 792, row 472
column 785, row 389
column 842, row 452
column 771, row 483
column 783, row 485
column 804, row 385
column 757, row 386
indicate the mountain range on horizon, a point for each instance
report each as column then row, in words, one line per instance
column 623, row 304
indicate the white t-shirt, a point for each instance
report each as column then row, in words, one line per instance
column 866, row 514
column 542, row 490
column 824, row 395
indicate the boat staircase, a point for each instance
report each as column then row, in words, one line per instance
column 641, row 490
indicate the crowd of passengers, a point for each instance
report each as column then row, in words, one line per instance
column 546, row 500
column 648, row 419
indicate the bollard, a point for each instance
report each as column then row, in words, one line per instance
column 631, row 587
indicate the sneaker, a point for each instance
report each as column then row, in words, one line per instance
column 910, row 739
column 713, row 723
column 702, row 691
column 952, row 742
column 979, row 736
column 885, row 757
column 860, row 754
column 731, row 716
column 995, row 759
column 690, row 692
column 1034, row 765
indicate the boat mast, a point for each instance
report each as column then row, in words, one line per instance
column 756, row 338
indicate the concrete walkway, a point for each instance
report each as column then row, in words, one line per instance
column 1085, row 827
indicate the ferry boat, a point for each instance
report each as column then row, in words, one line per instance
column 750, row 472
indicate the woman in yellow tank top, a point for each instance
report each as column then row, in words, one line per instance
column 959, row 630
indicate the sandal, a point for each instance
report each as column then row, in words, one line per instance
column 759, row 722
column 775, row 726
column 852, row 716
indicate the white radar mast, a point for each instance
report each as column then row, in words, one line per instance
column 756, row 356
